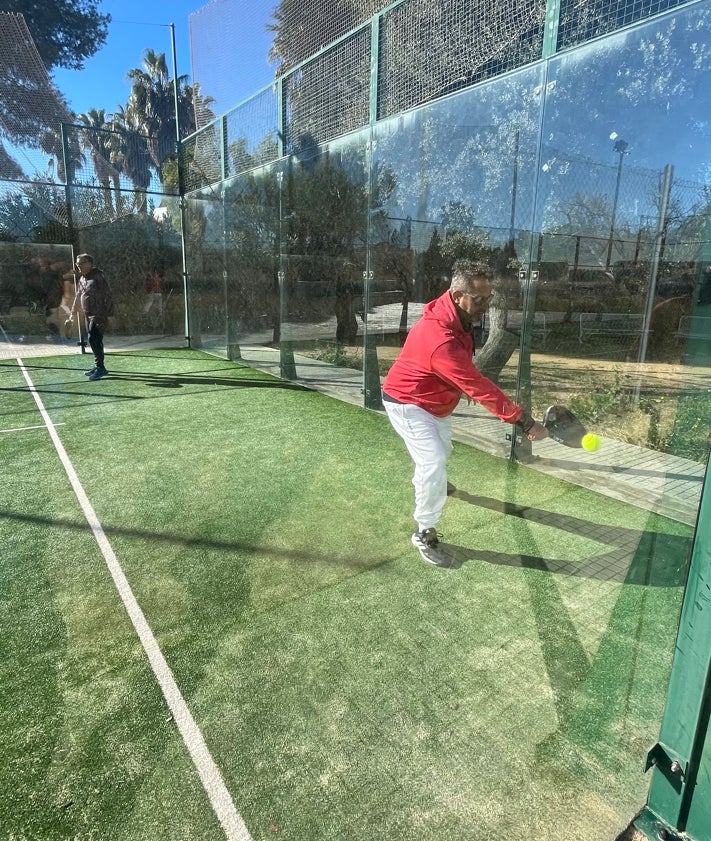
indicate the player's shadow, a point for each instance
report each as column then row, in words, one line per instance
column 646, row 558
column 203, row 378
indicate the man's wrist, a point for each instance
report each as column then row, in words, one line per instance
column 525, row 423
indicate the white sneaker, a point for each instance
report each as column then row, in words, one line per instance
column 427, row 542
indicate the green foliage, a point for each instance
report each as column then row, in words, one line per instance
column 676, row 426
column 463, row 246
column 336, row 354
column 65, row 32
column 593, row 406
column 151, row 108
column 690, row 435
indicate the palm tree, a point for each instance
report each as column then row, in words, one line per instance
column 96, row 141
column 129, row 154
column 50, row 142
column 151, row 107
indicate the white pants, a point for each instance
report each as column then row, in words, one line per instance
column 429, row 441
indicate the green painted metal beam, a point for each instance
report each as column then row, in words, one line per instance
column 680, row 788
column 374, row 65
column 550, row 32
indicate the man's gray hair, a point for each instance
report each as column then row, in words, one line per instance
column 466, row 271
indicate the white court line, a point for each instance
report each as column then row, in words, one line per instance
column 222, row 804
column 25, row 428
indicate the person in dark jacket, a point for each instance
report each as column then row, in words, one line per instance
column 425, row 385
column 95, row 299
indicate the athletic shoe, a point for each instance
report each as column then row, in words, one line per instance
column 98, row 373
column 90, row 371
column 427, row 542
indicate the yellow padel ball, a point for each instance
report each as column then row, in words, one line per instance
column 591, row 442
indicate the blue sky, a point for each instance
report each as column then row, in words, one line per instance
column 139, row 24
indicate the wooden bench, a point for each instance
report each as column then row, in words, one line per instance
column 610, row 324
column 694, row 327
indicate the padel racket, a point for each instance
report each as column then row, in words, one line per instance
column 563, row 426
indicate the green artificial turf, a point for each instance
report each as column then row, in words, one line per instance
column 345, row 689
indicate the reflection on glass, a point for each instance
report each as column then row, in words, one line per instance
column 623, row 252
column 583, row 179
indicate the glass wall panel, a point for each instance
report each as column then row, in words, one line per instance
column 456, row 180
column 232, row 248
column 623, row 257
column 36, row 294
column 140, row 254
column 277, row 258
column 323, row 234
column 583, row 179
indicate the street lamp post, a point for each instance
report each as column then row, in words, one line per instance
column 621, row 147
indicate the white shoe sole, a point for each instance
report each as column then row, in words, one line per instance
column 431, row 554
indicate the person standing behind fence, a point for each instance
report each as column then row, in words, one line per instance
column 95, row 299
column 154, row 292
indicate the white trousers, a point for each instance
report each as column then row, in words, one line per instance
column 429, row 441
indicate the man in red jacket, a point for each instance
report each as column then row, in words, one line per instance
column 425, row 385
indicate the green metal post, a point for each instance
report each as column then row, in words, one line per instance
column 287, row 364
column 374, row 65
column 190, row 341
column 679, row 798
column 281, row 122
column 372, row 393
column 550, row 33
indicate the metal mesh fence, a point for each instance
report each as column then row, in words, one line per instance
column 33, row 210
column 217, row 38
column 29, row 102
column 243, row 139
column 424, row 51
column 42, row 150
column 109, row 173
column 329, row 95
column 428, row 50
column 581, row 21
column 251, row 133
column 31, row 108
column 203, row 157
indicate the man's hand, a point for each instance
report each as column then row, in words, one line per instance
column 536, row 432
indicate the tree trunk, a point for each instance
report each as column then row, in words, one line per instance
column 499, row 346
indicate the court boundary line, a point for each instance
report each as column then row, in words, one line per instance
column 28, row 428
column 222, row 804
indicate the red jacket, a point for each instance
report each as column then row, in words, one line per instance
column 435, row 367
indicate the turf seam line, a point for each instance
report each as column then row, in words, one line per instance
column 210, row 776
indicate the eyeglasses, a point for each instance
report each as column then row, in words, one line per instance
column 478, row 299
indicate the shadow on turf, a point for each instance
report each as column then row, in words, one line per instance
column 636, row 557
column 157, row 381
column 356, row 562
column 200, row 378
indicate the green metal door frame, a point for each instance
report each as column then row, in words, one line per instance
column 682, row 751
